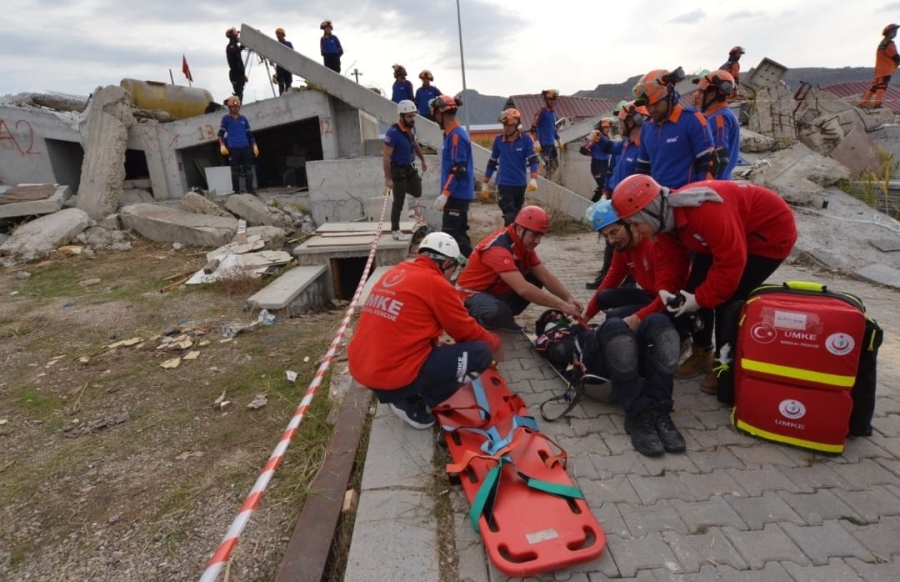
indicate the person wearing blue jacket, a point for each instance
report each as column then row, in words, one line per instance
column 714, row 89
column 402, row 89
column 331, row 48
column 237, row 142
column 457, row 173
column 599, row 159
column 543, row 130
column 513, row 153
column 425, row 94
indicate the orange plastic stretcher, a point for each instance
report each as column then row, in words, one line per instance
column 531, row 517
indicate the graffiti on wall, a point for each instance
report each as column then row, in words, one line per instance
column 18, row 136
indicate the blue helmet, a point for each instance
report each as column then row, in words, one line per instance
column 601, row 214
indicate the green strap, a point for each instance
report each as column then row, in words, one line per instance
column 484, row 492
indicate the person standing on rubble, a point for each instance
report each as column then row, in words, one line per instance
column 282, row 75
column 331, row 47
column 236, row 73
column 543, row 130
column 516, row 164
column 457, row 172
column 401, row 147
column 425, row 94
column 733, row 67
column 414, row 304
column 402, row 89
column 886, row 62
column 713, row 90
column 236, row 141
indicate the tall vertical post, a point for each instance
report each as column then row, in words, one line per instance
column 462, row 61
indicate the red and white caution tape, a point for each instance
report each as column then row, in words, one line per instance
column 215, row 564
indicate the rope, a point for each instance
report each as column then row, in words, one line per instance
column 223, row 553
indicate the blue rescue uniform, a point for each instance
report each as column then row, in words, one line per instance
column 677, row 151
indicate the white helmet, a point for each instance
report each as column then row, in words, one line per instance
column 406, row 106
column 441, row 243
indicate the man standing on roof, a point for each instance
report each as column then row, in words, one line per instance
column 513, row 152
column 331, row 47
column 425, row 94
column 401, row 147
column 457, row 172
column 236, row 141
column 739, row 234
column 505, row 275
column 414, row 304
column 236, row 73
column 402, row 89
column 543, row 130
column 282, row 75
column 713, row 90
column 733, row 67
column 886, row 62
column 599, row 158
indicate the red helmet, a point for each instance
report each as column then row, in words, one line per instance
column 444, row 103
column 533, row 218
column 737, row 50
column 426, row 74
column 510, row 117
column 721, row 80
column 651, row 87
column 889, row 28
column 633, row 194
column 232, row 32
column 326, row 23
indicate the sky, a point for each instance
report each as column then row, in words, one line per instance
column 509, row 48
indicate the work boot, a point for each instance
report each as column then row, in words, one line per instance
column 671, row 438
column 592, row 285
column 699, row 362
column 644, row 436
column 710, row 383
column 685, row 346
column 398, row 235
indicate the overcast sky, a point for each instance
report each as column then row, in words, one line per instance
column 75, row 46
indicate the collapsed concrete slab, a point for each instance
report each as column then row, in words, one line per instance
column 772, row 114
column 103, row 171
column 33, row 199
column 199, row 204
column 251, row 209
column 755, row 142
column 798, row 173
column 172, row 225
column 859, row 154
column 40, row 237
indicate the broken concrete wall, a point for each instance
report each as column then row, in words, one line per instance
column 772, row 113
column 25, row 155
column 103, row 171
column 797, row 173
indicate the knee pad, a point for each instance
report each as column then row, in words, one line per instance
column 489, row 312
column 662, row 347
column 619, row 347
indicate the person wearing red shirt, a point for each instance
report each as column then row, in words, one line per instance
column 886, row 62
column 739, row 234
column 505, row 274
column 396, row 350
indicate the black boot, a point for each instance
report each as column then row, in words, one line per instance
column 644, row 436
column 671, row 439
column 596, row 282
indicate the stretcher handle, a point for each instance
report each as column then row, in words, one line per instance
column 805, row 286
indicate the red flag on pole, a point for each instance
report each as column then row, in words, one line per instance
column 186, row 69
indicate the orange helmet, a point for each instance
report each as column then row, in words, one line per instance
column 633, row 194
column 889, row 28
column 550, row 93
column 232, row 32
column 279, row 32
column 399, row 70
column 630, row 110
column 533, row 218
column 510, row 117
column 233, row 100
column 652, row 87
column 737, row 50
column 326, row 23
column 426, row 74
column 720, row 80
column 444, row 103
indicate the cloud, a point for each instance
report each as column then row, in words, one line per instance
column 690, row 17
column 891, row 7
column 744, row 14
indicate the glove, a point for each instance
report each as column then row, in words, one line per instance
column 389, row 193
column 537, row 147
column 562, row 146
column 679, row 304
column 223, row 150
column 255, row 151
column 441, row 201
column 532, row 185
column 595, row 135
column 485, row 191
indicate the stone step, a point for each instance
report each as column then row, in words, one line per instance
column 300, row 288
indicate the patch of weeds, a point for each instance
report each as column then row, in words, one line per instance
column 662, row 473
column 443, row 513
column 872, row 187
column 237, row 283
column 36, row 401
column 22, row 327
column 702, row 528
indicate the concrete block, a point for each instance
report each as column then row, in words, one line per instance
column 701, row 515
column 879, row 274
column 58, row 194
column 285, row 289
column 251, row 209
column 657, row 518
column 816, row 507
column 644, row 553
column 199, row 204
column 172, row 225
column 857, row 152
column 38, row 238
column 798, row 173
column 755, row 142
column 873, row 503
column 409, row 453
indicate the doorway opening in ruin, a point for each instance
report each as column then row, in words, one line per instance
column 66, row 158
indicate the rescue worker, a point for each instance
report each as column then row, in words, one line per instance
column 733, row 67
column 638, row 362
column 713, row 90
column 886, row 62
column 236, row 73
column 676, row 143
column 505, row 275
column 457, row 172
column 425, row 94
column 513, row 153
column 401, row 148
column 631, row 119
column 414, row 304
column 236, row 141
column 330, row 46
column 599, row 158
column 282, row 76
column 739, row 234
column 543, row 130
column 402, row 90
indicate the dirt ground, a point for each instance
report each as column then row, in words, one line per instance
column 114, row 468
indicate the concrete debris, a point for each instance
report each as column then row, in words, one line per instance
column 858, row 153
column 172, row 225
column 135, row 196
column 103, row 171
column 199, row 204
column 755, row 142
column 798, row 174
column 253, row 210
column 33, row 199
column 36, row 239
column 772, row 114
column 23, row 275
column 260, row 401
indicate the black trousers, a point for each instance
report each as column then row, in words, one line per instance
column 333, row 62
column 406, row 181
column 510, row 199
column 455, row 222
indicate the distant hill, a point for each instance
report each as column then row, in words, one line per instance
column 483, row 109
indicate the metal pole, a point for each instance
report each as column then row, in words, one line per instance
column 171, row 77
column 462, row 60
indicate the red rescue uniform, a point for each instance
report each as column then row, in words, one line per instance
column 500, row 252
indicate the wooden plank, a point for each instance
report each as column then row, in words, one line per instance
column 331, row 227
column 343, row 241
column 307, row 553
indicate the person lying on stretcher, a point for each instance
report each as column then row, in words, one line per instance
column 639, row 365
